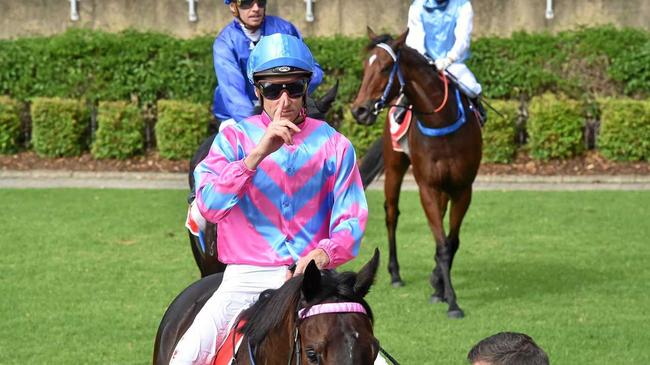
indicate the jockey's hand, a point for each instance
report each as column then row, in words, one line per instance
column 318, row 255
column 280, row 131
column 443, row 63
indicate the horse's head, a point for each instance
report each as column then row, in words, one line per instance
column 336, row 336
column 374, row 90
column 333, row 324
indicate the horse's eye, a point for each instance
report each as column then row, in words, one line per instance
column 387, row 69
column 312, row 356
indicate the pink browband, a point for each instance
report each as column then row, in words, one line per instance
column 346, row 307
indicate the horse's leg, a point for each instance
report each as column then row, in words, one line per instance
column 438, row 295
column 430, row 202
column 445, row 253
column 396, row 164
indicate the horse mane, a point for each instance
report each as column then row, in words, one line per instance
column 274, row 305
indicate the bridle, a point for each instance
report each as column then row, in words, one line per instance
column 381, row 103
column 325, row 308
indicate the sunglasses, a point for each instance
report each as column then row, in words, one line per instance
column 273, row 91
column 247, row 4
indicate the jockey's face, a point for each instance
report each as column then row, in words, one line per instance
column 252, row 16
column 292, row 105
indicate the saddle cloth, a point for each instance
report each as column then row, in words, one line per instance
column 226, row 351
column 399, row 120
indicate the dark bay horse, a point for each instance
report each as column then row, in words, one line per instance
column 445, row 150
column 205, row 253
column 316, row 318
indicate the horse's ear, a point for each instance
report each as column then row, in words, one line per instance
column 366, row 275
column 371, row 33
column 399, row 42
column 311, row 281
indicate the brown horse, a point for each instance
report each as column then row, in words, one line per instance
column 316, row 318
column 445, row 149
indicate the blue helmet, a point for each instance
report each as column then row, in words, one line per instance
column 279, row 54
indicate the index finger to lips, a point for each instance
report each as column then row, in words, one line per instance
column 278, row 111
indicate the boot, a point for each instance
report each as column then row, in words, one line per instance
column 482, row 113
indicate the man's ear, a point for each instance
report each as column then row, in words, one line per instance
column 233, row 9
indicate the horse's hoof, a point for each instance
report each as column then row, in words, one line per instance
column 397, row 284
column 436, row 299
column 455, row 314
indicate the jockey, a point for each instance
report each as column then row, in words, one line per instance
column 234, row 97
column 284, row 189
column 441, row 31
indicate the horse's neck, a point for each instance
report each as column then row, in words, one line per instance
column 274, row 350
column 426, row 91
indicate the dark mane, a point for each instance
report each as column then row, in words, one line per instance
column 273, row 306
column 383, row 38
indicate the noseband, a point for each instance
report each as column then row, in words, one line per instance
column 325, row 308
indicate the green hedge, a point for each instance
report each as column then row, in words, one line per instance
column 499, row 133
column 624, row 129
column 362, row 136
column 555, row 127
column 120, row 131
column 9, row 125
column 59, row 126
column 181, row 127
column 96, row 65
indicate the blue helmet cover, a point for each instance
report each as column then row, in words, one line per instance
column 277, row 50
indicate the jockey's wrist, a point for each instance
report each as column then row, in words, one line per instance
column 253, row 159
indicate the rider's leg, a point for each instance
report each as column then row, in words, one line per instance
column 469, row 86
column 241, row 286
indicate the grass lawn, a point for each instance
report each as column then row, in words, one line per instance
column 85, row 275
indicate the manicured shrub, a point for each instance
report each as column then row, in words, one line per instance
column 9, row 125
column 555, row 127
column 499, row 133
column 58, row 126
column 120, row 129
column 624, row 129
column 362, row 136
column 180, row 128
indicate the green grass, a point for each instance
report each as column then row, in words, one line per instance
column 85, row 275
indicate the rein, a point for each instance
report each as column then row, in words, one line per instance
column 381, row 103
column 345, row 307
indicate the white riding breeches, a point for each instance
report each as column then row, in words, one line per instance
column 240, row 288
column 468, row 84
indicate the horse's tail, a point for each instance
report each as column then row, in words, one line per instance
column 372, row 163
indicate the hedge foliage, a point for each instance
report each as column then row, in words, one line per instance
column 59, row 126
column 499, row 133
column 624, row 129
column 181, row 128
column 96, row 65
column 9, row 125
column 120, row 131
column 555, row 127
column 147, row 67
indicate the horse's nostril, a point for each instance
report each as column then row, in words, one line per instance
column 359, row 111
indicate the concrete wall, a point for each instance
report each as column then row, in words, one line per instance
column 349, row 17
